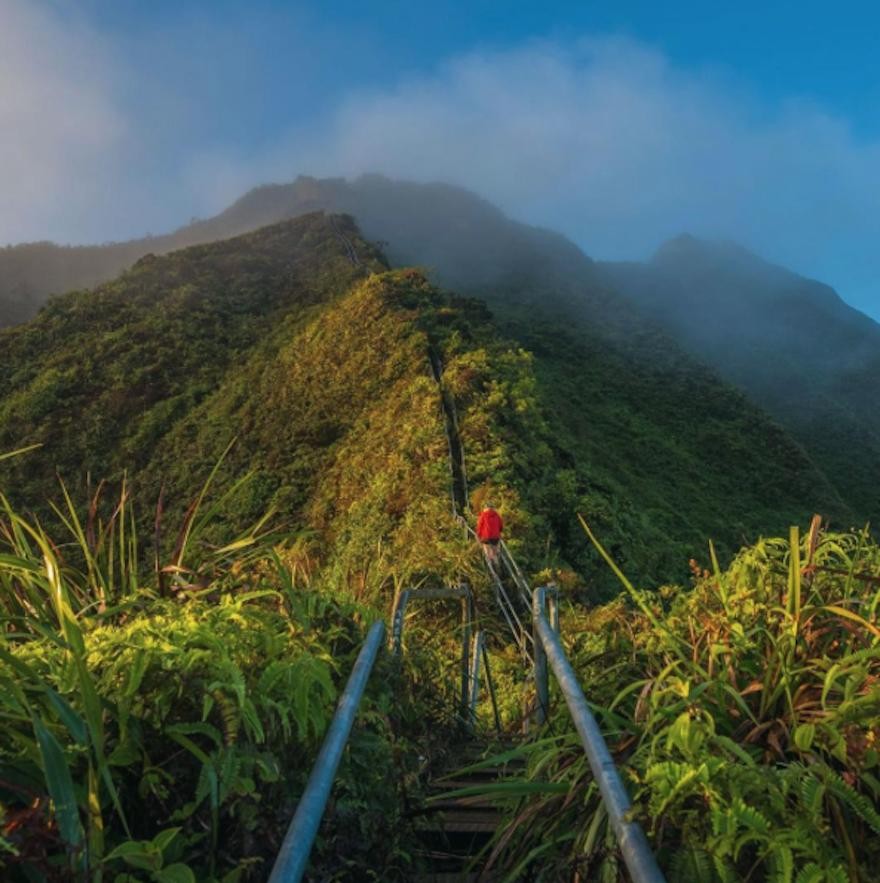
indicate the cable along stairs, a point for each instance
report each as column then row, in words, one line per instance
column 456, row 823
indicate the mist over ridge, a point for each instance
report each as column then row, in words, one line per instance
column 609, row 139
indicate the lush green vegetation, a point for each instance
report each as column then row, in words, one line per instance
column 167, row 670
column 163, row 730
column 745, row 711
column 101, row 376
column 255, row 338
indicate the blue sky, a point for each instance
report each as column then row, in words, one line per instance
column 620, row 124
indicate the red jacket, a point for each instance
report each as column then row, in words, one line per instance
column 489, row 525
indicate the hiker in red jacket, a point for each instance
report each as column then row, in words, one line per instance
column 489, row 527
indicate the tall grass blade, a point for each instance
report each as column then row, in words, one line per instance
column 60, row 784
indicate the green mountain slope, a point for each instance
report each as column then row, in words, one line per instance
column 790, row 343
column 317, row 365
column 102, row 374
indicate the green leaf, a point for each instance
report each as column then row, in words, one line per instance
column 163, row 839
column 60, row 784
column 136, row 673
column 176, row 873
column 74, row 723
column 811, row 873
column 19, row 452
column 804, row 736
column 137, row 853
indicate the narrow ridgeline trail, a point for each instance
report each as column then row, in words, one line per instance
column 456, row 821
column 460, row 820
column 456, row 824
column 512, row 591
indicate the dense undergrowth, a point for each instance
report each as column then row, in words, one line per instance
column 745, row 711
column 163, row 729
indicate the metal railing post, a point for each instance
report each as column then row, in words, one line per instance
column 490, row 684
column 476, row 653
column 542, row 676
column 397, row 621
column 293, row 857
column 465, row 652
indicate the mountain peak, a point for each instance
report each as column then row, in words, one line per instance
column 689, row 248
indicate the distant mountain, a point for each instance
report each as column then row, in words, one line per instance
column 791, row 343
column 296, row 340
column 462, row 238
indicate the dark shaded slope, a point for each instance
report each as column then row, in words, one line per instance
column 790, row 343
column 100, row 376
column 669, row 456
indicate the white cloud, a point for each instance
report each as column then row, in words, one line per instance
column 58, row 121
column 604, row 139
column 614, row 145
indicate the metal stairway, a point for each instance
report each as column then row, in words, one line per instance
column 456, row 827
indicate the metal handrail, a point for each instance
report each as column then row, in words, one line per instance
column 478, row 652
column 513, row 569
column 467, row 618
column 634, row 846
column 293, row 857
column 521, row 636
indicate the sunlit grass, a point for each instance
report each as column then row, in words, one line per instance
column 744, row 711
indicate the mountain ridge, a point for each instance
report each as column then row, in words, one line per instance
column 31, row 272
column 792, row 344
column 319, row 366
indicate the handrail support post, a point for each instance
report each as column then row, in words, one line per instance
column 397, row 622
column 465, row 652
column 541, row 672
column 476, row 652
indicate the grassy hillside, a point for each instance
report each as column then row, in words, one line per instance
column 279, row 342
column 101, row 375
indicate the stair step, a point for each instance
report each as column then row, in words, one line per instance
column 454, row 830
column 462, row 803
column 458, row 821
column 453, row 877
column 445, row 786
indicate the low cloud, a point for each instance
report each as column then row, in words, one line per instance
column 612, row 144
column 604, row 139
column 61, row 126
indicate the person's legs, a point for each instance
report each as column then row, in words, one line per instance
column 491, row 550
